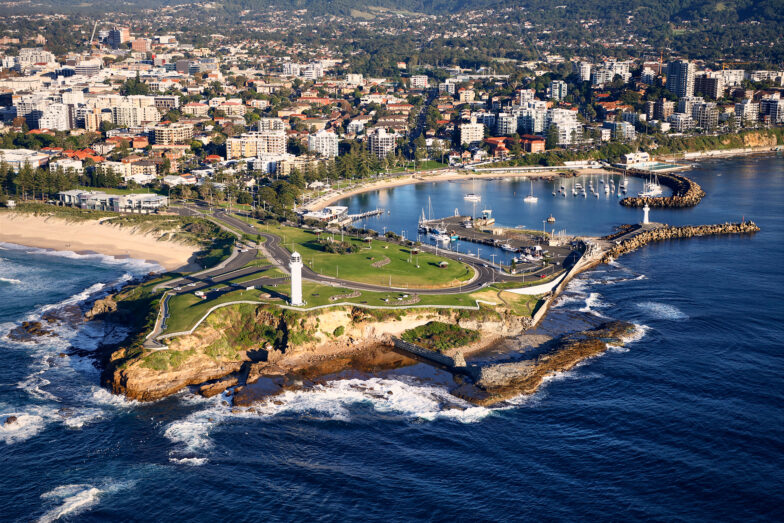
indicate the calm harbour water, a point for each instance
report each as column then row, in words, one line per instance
column 685, row 423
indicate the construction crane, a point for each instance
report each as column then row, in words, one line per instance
column 92, row 36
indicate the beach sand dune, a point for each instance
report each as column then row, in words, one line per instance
column 55, row 233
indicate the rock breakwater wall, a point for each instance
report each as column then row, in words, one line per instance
column 685, row 192
column 668, row 232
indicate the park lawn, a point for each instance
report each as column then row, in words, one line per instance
column 186, row 309
column 527, row 282
column 357, row 266
column 520, row 304
column 315, row 294
column 272, row 272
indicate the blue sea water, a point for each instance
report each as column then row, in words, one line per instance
column 684, row 423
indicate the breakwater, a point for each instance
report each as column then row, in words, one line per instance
column 685, row 192
column 668, row 232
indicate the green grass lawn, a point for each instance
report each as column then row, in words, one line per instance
column 186, row 309
column 402, row 271
column 316, row 294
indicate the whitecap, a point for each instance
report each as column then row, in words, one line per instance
column 193, row 462
column 135, row 264
column 637, row 334
column 100, row 396
column 592, row 302
column 27, row 424
column 73, row 499
column 662, row 311
column 83, row 417
column 408, row 398
column 12, row 281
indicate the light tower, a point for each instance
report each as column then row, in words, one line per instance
column 296, row 279
column 645, row 211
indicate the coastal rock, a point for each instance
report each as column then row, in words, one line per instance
column 214, row 388
column 28, row 331
column 148, row 384
column 10, row 420
column 498, row 382
column 103, row 306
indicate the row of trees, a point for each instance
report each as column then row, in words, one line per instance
column 35, row 183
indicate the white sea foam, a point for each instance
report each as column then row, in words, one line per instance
column 331, row 401
column 135, row 264
column 73, row 499
column 637, row 334
column 408, row 398
column 83, row 417
column 193, row 462
column 662, row 311
column 12, row 281
column 27, row 424
column 100, row 396
column 593, row 302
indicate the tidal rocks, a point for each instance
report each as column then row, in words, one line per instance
column 685, row 193
column 28, row 331
column 10, row 420
column 668, row 232
column 103, row 306
column 498, row 382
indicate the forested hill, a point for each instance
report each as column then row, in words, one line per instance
column 644, row 11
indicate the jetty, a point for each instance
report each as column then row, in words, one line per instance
column 351, row 218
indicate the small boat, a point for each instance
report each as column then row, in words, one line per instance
column 454, row 237
column 472, row 197
column 551, row 219
column 531, row 198
column 507, row 247
column 651, row 188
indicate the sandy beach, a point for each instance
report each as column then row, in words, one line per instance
column 432, row 176
column 92, row 236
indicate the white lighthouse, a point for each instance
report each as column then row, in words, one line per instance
column 645, row 211
column 296, row 279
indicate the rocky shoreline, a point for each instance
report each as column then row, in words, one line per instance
column 685, row 192
column 494, row 383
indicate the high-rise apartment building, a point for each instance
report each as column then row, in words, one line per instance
column 381, row 142
column 680, row 78
column 251, row 145
column 324, row 143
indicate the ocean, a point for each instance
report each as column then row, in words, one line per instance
column 686, row 422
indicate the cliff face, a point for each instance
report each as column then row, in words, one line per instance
column 248, row 339
column 759, row 140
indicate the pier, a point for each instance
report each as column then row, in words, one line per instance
column 351, row 218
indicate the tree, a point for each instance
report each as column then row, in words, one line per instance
column 551, row 141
